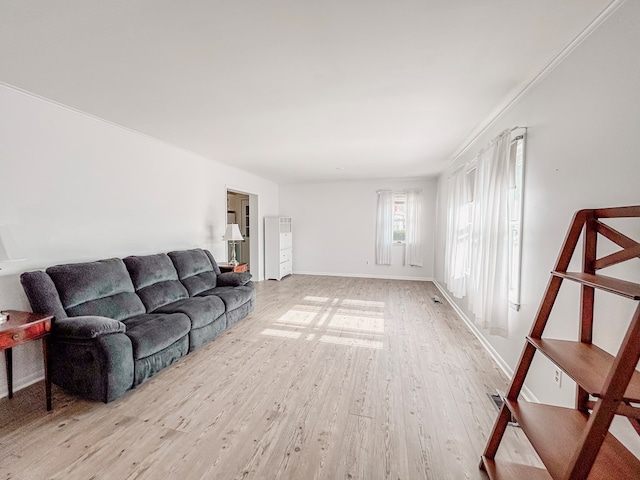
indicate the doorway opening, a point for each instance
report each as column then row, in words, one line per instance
column 239, row 212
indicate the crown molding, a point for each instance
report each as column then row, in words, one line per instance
column 493, row 118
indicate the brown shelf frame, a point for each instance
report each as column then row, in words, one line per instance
column 609, row 381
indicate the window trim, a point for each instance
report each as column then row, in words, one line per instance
column 517, row 158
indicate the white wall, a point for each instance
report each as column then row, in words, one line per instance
column 76, row 188
column 334, row 228
column 583, row 151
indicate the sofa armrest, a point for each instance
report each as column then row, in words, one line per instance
column 86, row 327
column 233, row 279
column 91, row 356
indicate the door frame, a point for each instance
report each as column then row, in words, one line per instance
column 254, row 227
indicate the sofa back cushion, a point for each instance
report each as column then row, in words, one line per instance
column 100, row 288
column 197, row 270
column 42, row 294
column 156, row 280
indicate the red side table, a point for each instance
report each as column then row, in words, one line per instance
column 23, row 327
column 227, row 267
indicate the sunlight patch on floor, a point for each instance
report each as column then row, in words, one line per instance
column 281, row 333
column 340, row 321
column 297, row 317
column 358, row 323
column 351, row 342
column 367, row 313
column 363, row 303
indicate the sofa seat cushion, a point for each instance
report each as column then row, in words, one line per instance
column 152, row 332
column 200, row 310
column 233, row 297
column 147, row 367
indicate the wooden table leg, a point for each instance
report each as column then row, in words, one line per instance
column 47, row 379
column 8, row 358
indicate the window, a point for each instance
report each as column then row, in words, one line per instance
column 484, row 230
column 399, row 217
column 516, row 170
column 398, row 220
column 465, row 232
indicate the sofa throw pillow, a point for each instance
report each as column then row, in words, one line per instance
column 233, row 279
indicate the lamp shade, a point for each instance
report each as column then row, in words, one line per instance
column 233, row 233
column 9, row 251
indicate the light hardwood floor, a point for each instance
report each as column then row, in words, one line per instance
column 329, row 378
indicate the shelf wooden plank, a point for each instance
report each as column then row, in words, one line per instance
column 503, row 470
column 554, row 432
column 602, row 282
column 587, row 364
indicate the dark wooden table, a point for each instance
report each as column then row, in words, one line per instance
column 23, row 327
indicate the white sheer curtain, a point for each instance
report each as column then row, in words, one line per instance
column 413, row 238
column 458, row 234
column 476, row 254
column 489, row 274
column 384, row 227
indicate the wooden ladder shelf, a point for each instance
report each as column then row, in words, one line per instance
column 575, row 443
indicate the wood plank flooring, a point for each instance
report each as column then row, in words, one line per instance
column 329, row 378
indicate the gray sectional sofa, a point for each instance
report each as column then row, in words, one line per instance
column 118, row 322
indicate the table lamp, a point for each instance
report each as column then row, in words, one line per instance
column 233, row 235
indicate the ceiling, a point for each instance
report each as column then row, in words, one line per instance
column 291, row 90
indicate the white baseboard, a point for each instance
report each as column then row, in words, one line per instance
column 508, row 371
column 21, row 383
column 365, row 275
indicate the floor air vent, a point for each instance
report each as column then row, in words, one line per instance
column 496, row 400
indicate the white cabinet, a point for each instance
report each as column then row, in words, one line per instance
column 278, row 242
